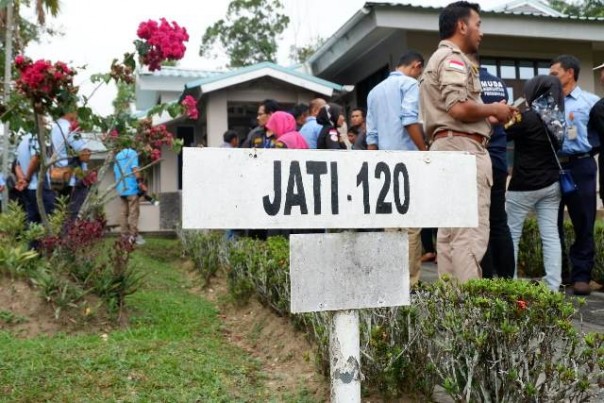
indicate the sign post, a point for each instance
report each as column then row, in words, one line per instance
column 302, row 189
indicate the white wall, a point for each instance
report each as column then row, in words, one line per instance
column 217, row 117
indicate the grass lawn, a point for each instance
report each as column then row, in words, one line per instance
column 173, row 351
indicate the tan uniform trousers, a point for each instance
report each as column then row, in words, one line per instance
column 460, row 250
column 129, row 216
column 415, row 252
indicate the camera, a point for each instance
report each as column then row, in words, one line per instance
column 149, row 198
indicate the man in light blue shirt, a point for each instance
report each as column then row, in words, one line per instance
column 393, row 108
column 28, row 162
column 576, row 156
column 69, row 149
column 128, row 186
column 393, row 124
column 311, row 129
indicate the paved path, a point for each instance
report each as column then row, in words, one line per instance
column 592, row 312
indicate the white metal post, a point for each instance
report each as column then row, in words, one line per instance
column 344, row 357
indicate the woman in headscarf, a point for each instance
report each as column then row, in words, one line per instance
column 282, row 126
column 331, row 117
column 534, row 184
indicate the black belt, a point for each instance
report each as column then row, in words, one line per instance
column 574, row 157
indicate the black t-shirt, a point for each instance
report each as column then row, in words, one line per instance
column 328, row 139
column 535, row 166
column 596, row 120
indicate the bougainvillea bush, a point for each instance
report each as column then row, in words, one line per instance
column 77, row 260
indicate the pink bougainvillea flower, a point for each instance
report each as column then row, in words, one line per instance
column 190, row 105
column 160, row 41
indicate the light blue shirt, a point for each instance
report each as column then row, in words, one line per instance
column 27, row 148
column 392, row 105
column 310, row 131
column 123, row 170
column 62, row 136
column 577, row 105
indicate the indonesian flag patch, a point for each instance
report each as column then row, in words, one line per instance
column 456, row 65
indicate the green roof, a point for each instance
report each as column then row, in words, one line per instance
column 259, row 66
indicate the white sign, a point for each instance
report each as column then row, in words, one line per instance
column 248, row 188
column 349, row 270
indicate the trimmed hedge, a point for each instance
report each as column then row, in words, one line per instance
column 487, row 340
column 530, row 254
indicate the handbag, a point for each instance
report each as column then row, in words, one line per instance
column 567, row 183
column 60, row 177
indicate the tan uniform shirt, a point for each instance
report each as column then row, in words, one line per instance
column 449, row 77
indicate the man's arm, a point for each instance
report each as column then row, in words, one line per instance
column 453, row 76
column 470, row 111
column 417, row 136
column 410, row 113
column 371, row 136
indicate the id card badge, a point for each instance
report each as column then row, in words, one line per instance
column 572, row 132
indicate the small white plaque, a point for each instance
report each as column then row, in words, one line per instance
column 348, row 270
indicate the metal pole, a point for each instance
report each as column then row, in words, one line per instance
column 344, row 356
column 8, row 58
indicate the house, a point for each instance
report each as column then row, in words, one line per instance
column 226, row 100
column 520, row 39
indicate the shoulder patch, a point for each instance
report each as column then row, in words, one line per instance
column 333, row 135
column 455, row 64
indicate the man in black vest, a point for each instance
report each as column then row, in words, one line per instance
column 596, row 126
column 499, row 257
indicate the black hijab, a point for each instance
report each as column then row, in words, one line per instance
column 329, row 115
column 539, row 85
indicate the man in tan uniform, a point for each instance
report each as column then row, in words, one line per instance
column 456, row 119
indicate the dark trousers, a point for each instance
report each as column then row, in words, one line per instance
column 581, row 206
column 427, row 236
column 31, row 204
column 601, row 170
column 499, row 257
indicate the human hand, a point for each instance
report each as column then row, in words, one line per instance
column 21, row 184
column 372, row 147
column 502, row 112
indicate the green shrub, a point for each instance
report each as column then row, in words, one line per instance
column 207, row 250
column 261, row 267
column 486, row 340
column 530, row 253
column 505, row 341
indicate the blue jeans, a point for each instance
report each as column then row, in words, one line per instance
column 545, row 202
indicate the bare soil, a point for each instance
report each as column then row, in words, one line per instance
column 25, row 314
column 287, row 358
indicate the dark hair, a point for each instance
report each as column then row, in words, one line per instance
column 450, row 15
column 299, row 110
column 362, row 110
column 410, row 57
column 329, row 114
column 541, row 84
column 270, row 106
column 568, row 62
column 229, row 135
column 356, row 129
